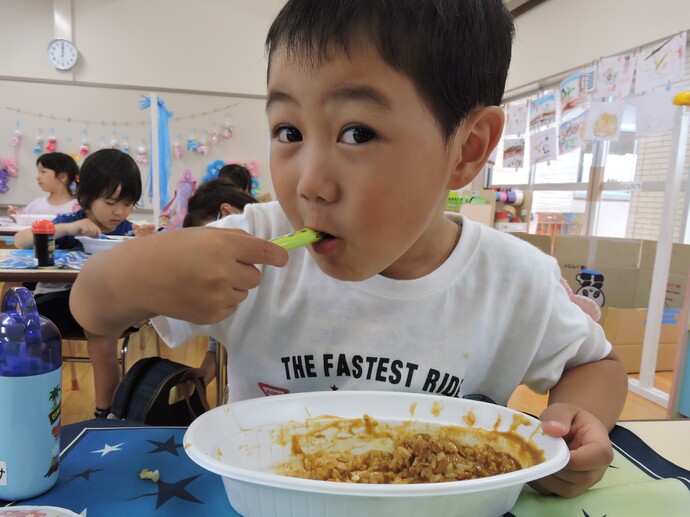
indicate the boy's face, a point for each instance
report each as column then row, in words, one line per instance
column 356, row 153
column 109, row 212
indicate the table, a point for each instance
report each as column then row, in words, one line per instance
column 101, row 460
column 9, row 230
column 21, row 275
column 670, row 438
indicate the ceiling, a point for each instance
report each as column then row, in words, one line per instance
column 269, row 8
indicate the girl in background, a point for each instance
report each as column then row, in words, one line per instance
column 58, row 174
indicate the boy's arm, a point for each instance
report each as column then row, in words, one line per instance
column 583, row 407
column 599, row 387
column 24, row 239
column 195, row 274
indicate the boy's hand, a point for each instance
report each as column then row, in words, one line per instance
column 144, row 229
column 82, row 227
column 590, row 450
column 196, row 274
column 12, row 211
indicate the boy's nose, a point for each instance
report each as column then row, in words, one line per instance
column 316, row 182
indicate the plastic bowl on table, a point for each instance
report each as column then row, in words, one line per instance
column 241, row 442
column 28, row 219
column 92, row 245
column 31, row 511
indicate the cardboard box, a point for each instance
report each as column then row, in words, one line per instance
column 631, row 357
column 676, row 287
column 625, row 328
column 621, row 269
column 543, row 242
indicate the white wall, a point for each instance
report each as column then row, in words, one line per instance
column 199, row 56
column 559, row 35
column 202, row 45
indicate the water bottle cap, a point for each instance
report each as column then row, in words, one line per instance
column 43, row 226
column 29, row 343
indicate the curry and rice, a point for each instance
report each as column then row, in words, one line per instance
column 363, row 450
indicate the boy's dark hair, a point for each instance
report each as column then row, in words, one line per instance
column 456, row 52
column 204, row 205
column 103, row 172
column 237, row 174
column 60, row 162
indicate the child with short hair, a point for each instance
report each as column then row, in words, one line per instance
column 376, row 109
column 237, row 174
column 109, row 188
column 214, row 200
column 57, row 175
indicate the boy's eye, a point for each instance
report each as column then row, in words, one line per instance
column 357, row 135
column 288, row 135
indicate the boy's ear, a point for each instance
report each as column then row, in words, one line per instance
column 474, row 142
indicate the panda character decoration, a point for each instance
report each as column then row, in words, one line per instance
column 591, row 284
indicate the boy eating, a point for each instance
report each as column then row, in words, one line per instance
column 376, row 109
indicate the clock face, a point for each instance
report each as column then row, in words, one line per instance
column 62, row 53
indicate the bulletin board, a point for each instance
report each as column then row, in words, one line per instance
column 206, row 128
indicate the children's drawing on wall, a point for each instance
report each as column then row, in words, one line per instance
column 571, row 134
column 604, row 120
column 655, row 112
column 591, row 285
column 575, row 92
column 615, row 75
column 513, row 153
column 661, row 63
column 516, row 118
column 543, row 146
column 542, row 111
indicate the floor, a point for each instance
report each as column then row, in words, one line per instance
column 78, row 405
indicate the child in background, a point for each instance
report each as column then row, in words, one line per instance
column 372, row 122
column 214, row 200
column 57, row 175
column 237, row 174
column 109, row 188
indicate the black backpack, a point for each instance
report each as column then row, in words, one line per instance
column 157, row 391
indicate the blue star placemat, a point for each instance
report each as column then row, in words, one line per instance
column 99, row 472
column 24, row 259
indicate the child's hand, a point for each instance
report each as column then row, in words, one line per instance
column 12, row 211
column 144, row 229
column 196, row 274
column 590, row 450
column 82, row 227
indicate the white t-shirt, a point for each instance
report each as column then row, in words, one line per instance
column 40, row 205
column 490, row 318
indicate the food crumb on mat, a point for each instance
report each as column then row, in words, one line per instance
column 153, row 475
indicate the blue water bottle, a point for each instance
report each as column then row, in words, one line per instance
column 30, row 397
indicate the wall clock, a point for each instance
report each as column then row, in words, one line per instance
column 62, row 53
